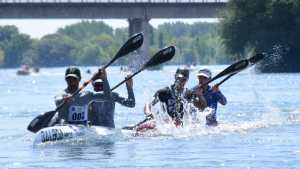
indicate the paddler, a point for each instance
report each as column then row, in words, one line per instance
column 101, row 113
column 75, row 111
column 212, row 96
column 173, row 99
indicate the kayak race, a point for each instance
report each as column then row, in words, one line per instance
column 149, row 84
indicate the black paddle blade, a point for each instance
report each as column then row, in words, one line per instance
column 161, row 56
column 41, row 121
column 242, row 65
column 256, row 58
column 234, row 68
column 132, row 44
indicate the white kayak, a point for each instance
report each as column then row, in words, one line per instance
column 73, row 132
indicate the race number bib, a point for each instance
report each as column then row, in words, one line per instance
column 78, row 113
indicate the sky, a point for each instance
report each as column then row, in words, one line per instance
column 37, row 28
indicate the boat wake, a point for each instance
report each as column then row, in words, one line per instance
column 194, row 124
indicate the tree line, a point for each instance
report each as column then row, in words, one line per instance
column 94, row 43
column 269, row 26
column 246, row 27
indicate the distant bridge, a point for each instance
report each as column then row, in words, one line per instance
column 138, row 12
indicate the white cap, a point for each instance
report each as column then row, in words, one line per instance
column 98, row 81
column 72, row 75
column 205, row 73
column 179, row 75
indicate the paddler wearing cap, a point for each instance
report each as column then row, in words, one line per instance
column 174, row 96
column 101, row 113
column 212, row 96
column 75, row 111
column 172, row 99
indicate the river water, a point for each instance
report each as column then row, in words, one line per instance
column 259, row 127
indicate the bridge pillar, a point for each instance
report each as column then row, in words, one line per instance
column 137, row 25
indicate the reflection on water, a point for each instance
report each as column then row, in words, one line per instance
column 100, row 150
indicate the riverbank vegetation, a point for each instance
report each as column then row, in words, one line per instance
column 94, row 42
column 269, row 26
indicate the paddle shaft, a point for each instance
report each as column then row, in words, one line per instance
column 252, row 61
column 148, row 117
column 160, row 57
column 209, row 81
column 119, row 84
column 225, row 79
column 231, row 70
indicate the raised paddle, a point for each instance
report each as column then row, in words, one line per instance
column 252, row 60
column 160, row 57
column 256, row 58
column 232, row 69
column 42, row 120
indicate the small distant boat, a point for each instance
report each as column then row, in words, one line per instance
column 26, row 70
column 23, row 72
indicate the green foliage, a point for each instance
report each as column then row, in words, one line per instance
column 196, row 43
column 94, row 43
column 56, row 50
column 88, row 55
column 31, row 56
column 270, row 26
column 85, row 30
column 14, row 45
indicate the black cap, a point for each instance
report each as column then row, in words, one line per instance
column 182, row 73
column 73, row 72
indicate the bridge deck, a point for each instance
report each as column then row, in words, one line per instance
column 108, row 9
column 112, row 1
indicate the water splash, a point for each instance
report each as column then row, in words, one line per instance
column 137, row 61
column 194, row 123
column 275, row 54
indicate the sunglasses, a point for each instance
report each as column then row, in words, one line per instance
column 98, row 84
column 182, row 79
